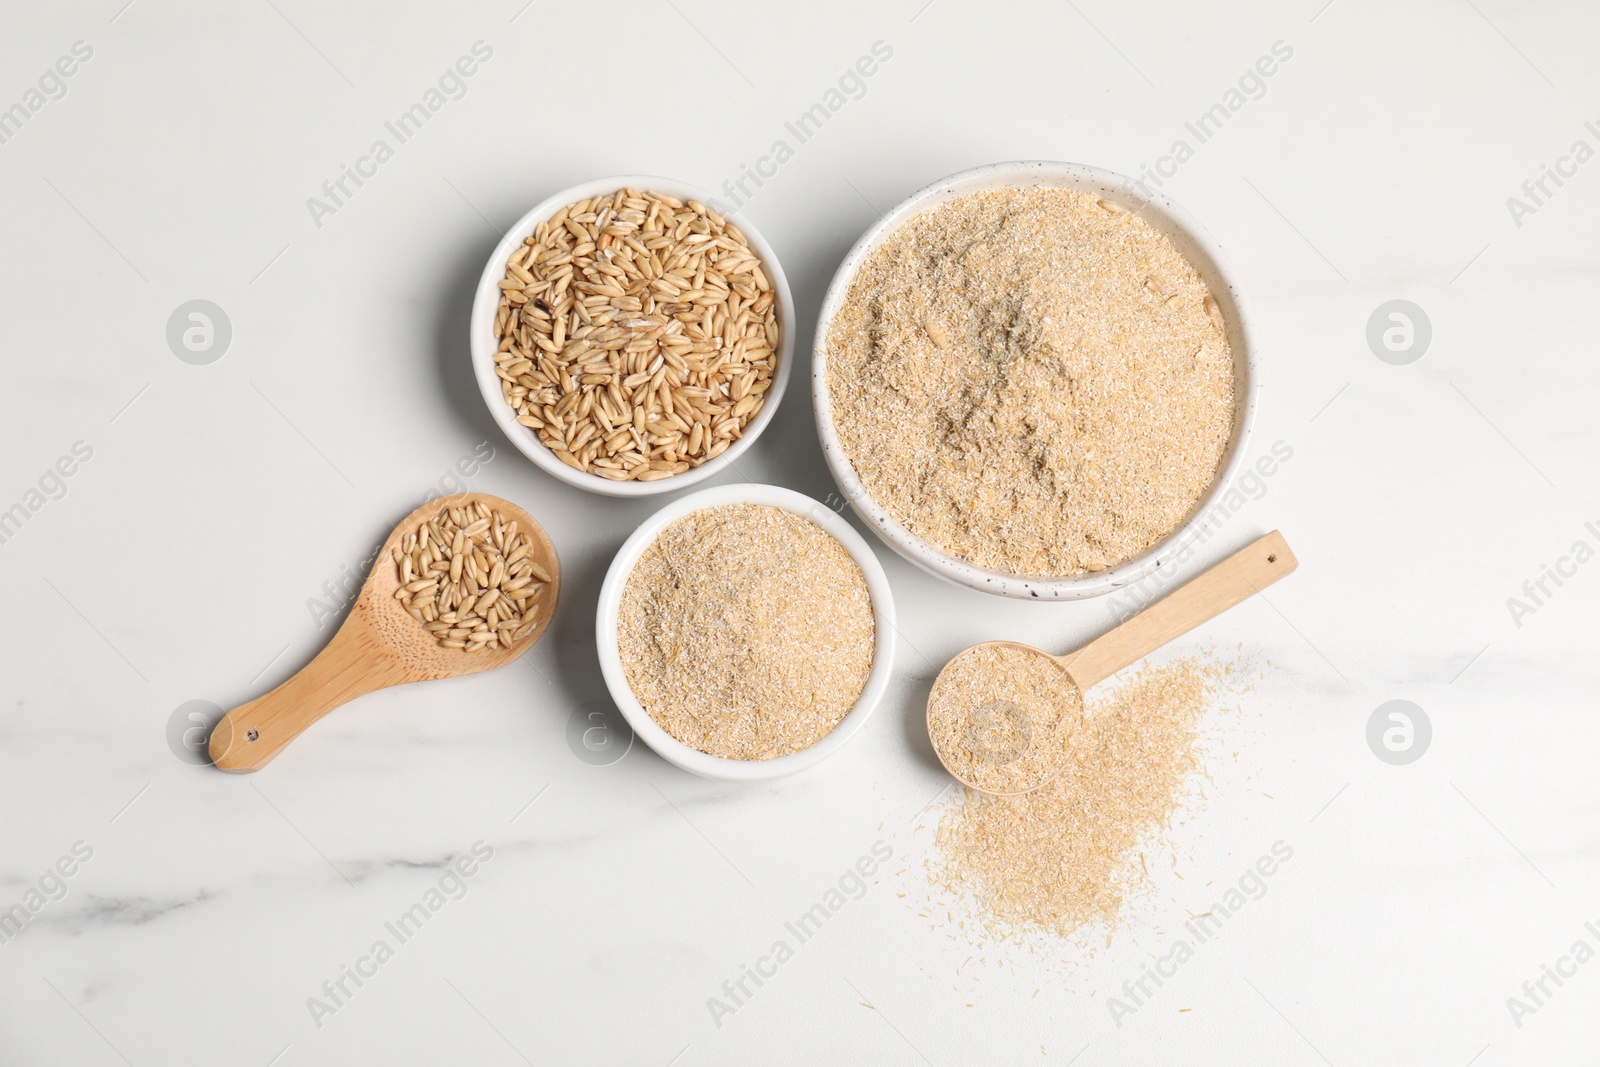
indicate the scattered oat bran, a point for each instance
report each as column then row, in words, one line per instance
column 1065, row 856
column 1033, row 380
column 1000, row 715
column 746, row 631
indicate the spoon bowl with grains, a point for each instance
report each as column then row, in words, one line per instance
column 1001, row 714
column 465, row 583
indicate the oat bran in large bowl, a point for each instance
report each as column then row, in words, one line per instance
column 1034, row 379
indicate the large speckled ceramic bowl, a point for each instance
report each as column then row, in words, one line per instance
column 1195, row 245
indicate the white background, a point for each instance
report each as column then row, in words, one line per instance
column 219, row 498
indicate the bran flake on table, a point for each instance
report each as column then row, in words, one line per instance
column 1067, row 856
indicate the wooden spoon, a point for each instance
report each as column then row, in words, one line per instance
column 379, row 645
column 1235, row 579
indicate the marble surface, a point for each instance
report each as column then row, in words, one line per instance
column 196, row 551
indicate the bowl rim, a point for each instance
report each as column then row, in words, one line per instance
column 482, row 343
column 1192, row 241
column 702, row 763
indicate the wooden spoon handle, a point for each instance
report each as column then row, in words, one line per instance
column 353, row 664
column 1236, row 578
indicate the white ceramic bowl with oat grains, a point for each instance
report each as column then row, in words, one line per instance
column 608, row 612
column 484, row 344
column 1187, row 237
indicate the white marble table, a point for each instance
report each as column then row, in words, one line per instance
column 207, row 506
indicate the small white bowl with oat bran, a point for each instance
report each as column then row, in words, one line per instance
column 746, row 632
column 630, row 337
column 1035, row 379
